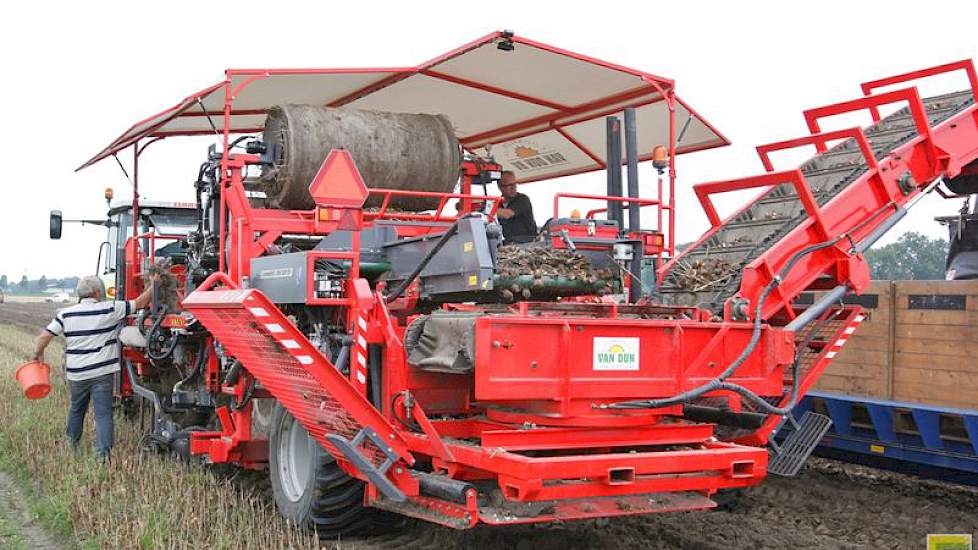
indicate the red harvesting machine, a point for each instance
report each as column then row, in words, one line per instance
column 343, row 324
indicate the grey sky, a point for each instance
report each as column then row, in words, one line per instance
column 79, row 74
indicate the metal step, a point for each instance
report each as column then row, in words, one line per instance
column 791, row 455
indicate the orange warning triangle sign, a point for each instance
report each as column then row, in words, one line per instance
column 338, row 182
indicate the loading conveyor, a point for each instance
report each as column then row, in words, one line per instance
column 749, row 234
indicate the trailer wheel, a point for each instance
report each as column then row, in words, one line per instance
column 310, row 489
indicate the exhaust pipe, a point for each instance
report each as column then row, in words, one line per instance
column 634, row 216
column 631, row 156
column 613, row 130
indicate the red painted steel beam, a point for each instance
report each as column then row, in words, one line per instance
column 718, row 457
column 543, row 120
column 820, row 139
column 965, row 65
column 578, row 438
column 795, row 177
column 602, row 164
column 910, row 95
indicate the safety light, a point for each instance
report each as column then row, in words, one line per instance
column 660, row 158
column 108, row 194
column 575, row 214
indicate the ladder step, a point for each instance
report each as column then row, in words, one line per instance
column 799, row 444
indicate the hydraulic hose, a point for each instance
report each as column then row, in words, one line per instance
column 151, row 335
column 445, row 237
column 803, row 320
column 719, row 382
column 759, row 401
column 202, row 353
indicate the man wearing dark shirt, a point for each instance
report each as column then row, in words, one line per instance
column 516, row 212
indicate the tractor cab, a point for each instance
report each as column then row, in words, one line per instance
column 162, row 229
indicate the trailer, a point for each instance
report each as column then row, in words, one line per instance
column 901, row 395
column 378, row 359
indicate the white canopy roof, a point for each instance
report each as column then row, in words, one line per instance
column 540, row 109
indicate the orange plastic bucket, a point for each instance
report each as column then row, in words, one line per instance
column 34, row 377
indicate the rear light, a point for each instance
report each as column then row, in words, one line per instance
column 110, row 292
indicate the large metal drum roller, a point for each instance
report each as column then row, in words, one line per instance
column 416, row 152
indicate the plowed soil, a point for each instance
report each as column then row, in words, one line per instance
column 830, row 505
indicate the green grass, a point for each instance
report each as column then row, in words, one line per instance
column 10, row 536
column 137, row 499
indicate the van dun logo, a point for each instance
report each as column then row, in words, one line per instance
column 616, row 353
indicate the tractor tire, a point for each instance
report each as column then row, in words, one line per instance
column 310, row 489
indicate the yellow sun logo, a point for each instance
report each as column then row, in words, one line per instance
column 616, row 348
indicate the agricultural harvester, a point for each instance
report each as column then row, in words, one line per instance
column 350, row 318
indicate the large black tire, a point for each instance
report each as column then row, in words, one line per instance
column 310, row 490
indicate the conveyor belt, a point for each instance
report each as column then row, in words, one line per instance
column 745, row 237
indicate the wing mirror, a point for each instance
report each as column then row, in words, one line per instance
column 55, row 227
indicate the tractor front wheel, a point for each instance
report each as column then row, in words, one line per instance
column 310, row 489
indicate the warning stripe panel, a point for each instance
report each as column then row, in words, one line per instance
column 279, row 356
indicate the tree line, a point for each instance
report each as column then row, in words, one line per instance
column 37, row 286
column 913, row 256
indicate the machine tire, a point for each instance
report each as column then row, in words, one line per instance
column 311, row 490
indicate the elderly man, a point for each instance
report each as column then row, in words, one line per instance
column 91, row 331
column 516, row 212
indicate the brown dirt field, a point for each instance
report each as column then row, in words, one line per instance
column 31, row 316
column 830, row 505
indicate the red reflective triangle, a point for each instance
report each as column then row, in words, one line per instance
column 338, row 182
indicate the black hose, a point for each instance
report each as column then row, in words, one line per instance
column 202, row 352
column 233, row 374
column 719, row 382
column 151, row 336
column 394, row 294
column 141, row 321
column 759, row 401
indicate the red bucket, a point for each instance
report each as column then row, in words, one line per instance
column 34, row 377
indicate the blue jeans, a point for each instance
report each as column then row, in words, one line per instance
column 98, row 390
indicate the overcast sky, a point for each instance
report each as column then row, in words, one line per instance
column 79, row 74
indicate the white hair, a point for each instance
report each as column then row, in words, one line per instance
column 89, row 286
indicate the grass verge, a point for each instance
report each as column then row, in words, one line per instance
column 137, row 500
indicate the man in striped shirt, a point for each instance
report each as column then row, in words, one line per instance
column 91, row 331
